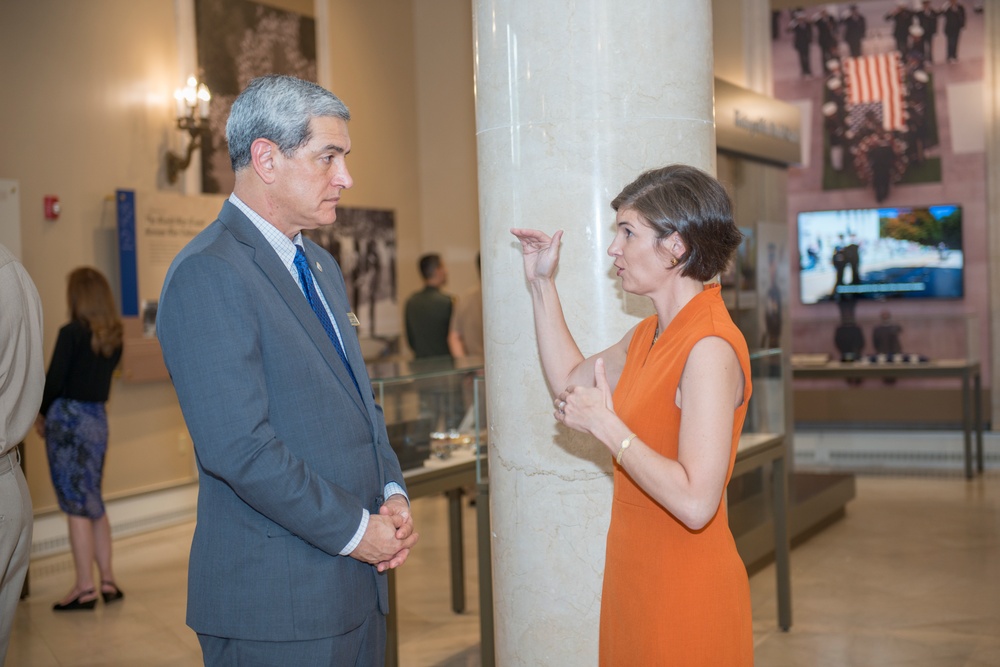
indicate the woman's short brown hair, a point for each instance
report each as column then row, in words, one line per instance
column 683, row 199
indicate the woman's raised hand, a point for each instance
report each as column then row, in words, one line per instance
column 541, row 252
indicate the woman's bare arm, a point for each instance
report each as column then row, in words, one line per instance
column 562, row 361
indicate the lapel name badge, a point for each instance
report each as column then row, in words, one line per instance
column 353, row 319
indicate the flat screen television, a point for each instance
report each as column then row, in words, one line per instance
column 881, row 253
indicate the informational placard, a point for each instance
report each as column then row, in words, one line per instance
column 153, row 227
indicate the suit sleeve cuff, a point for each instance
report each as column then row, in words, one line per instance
column 356, row 540
column 393, row 489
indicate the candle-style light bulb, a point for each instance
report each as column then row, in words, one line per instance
column 204, row 97
column 179, row 101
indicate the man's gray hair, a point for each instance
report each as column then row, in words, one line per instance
column 278, row 108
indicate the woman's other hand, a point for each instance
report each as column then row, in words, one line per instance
column 541, row 252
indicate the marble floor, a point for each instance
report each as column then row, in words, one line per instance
column 910, row 577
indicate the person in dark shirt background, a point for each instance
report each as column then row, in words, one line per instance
column 954, row 21
column 901, row 18
column 855, row 27
column 428, row 312
column 74, row 424
column 928, row 19
column 829, row 41
column 803, row 37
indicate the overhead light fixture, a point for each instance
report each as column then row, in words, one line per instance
column 192, row 117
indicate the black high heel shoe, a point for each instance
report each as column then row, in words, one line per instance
column 111, row 597
column 76, row 603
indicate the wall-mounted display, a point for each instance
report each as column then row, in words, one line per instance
column 881, row 253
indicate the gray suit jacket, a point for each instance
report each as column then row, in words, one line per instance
column 289, row 452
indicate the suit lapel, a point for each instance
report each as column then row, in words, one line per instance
column 324, row 271
column 267, row 260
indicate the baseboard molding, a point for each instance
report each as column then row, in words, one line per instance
column 889, row 451
column 128, row 516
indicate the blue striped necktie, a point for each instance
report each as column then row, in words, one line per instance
column 312, row 296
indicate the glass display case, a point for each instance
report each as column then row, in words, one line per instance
column 435, row 415
column 434, row 412
column 767, row 410
column 765, row 423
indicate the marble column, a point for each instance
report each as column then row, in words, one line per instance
column 573, row 101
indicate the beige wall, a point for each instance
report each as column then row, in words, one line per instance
column 727, row 37
column 741, row 34
column 89, row 88
column 86, row 110
column 372, row 55
column 446, row 118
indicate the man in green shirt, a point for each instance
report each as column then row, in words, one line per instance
column 428, row 312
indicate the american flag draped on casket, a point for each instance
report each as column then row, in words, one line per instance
column 874, row 88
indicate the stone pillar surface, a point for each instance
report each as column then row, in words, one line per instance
column 573, row 101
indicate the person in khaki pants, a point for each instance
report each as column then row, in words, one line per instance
column 22, row 378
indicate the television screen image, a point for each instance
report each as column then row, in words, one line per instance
column 881, row 253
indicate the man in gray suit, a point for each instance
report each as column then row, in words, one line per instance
column 301, row 505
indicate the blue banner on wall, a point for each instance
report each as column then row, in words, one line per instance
column 125, row 200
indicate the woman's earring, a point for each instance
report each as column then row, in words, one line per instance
column 673, row 261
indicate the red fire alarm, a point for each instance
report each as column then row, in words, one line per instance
column 51, row 207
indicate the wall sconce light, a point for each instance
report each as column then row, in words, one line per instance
column 192, row 116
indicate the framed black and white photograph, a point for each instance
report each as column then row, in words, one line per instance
column 363, row 241
column 237, row 41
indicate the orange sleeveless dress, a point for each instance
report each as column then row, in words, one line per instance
column 672, row 596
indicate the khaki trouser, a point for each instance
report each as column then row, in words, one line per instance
column 15, row 541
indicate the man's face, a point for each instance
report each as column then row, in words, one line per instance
column 308, row 183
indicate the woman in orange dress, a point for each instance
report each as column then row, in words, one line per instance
column 668, row 400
